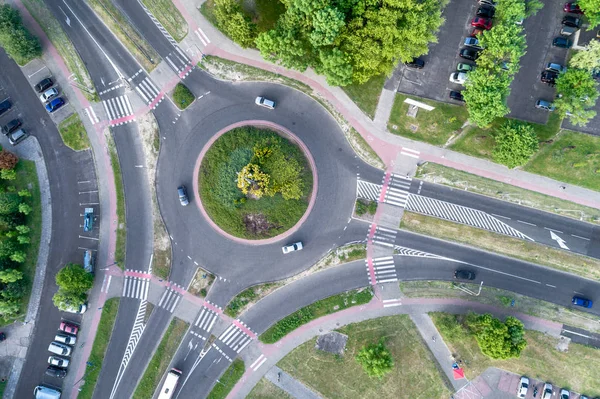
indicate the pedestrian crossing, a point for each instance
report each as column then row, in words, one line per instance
column 202, row 36
column 136, row 287
column 397, row 190
column 235, row 338
column 89, row 111
column 119, row 110
column 367, row 190
column 169, row 300
column 384, row 269
column 149, row 92
column 384, row 237
column 206, row 319
column 179, row 62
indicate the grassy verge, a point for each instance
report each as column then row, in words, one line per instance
column 182, row 96
column 434, row 127
column 169, row 17
column 414, row 374
column 249, row 296
column 105, row 327
column 521, row 249
column 572, row 157
column 366, row 95
column 161, row 359
column 576, row 369
column 121, row 230
column 466, row 181
column 73, row 133
column 63, row 45
column 265, row 389
column 126, row 33
column 315, row 310
column 228, row 380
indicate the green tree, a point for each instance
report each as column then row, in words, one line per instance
column 336, row 67
column 375, row 359
column 16, row 40
column 232, row 20
column 22, row 229
column 516, row 142
column 10, row 275
column 532, row 7
column 9, row 203
column 577, row 93
column 588, row 59
column 24, row 208
column 327, row 23
column 485, row 95
column 8, row 174
column 7, row 248
column 23, row 240
column 73, row 278
column 18, row 256
column 14, row 290
column 510, row 11
column 24, row 193
column 496, row 339
column 64, row 299
column 591, row 9
column 9, row 308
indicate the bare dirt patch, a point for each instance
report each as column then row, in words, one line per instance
column 201, row 283
column 258, row 225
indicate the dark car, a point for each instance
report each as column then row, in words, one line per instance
column 571, row 21
column 11, row 126
column 44, row 85
column 57, row 372
column 480, row 22
column 549, row 77
column 464, row 275
column 2, row 336
column 456, row 95
column 583, row 302
column 572, row 7
column 468, row 54
column 5, row 106
column 415, row 63
column 486, row 11
column 55, row 104
column 183, row 198
column 562, row 42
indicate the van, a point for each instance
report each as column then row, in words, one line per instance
column 568, row 30
column 265, row 102
column 44, row 392
column 59, row 349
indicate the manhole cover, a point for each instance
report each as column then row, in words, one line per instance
column 394, row 127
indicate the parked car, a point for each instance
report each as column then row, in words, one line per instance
column 17, row 136
column 483, row 23
column 552, row 67
column 488, row 2
column 49, row 94
column 549, row 77
column 65, row 339
column 263, row 102
column 81, row 309
column 464, row 67
column 58, row 361
column 55, row 104
column 5, row 106
column 56, row 372
column 485, row 11
column 571, row 21
column 562, row 42
column 182, row 193
column 44, row 85
column 572, row 7
column 59, row 349
column 458, row 78
column 68, row 328
column 476, row 31
column 473, row 42
column 291, row 248
column 457, row 95
column 523, row 387
column 564, row 394
column 469, row 54
column 464, row 275
column 547, row 392
column 2, row 336
column 568, row 30
column 583, row 302
column 416, row 63
column 89, row 261
column 546, row 105
column 88, row 219
column 44, row 392
column 11, row 126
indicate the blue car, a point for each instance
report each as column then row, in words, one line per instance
column 583, row 302
column 55, row 104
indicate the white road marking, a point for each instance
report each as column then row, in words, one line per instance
column 583, row 238
column 557, row 231
column 500, row 216
column 531, row 224
column 550, row 285
column 559, row 240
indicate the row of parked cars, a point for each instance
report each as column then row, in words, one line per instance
column 570, row 25
column 547, row 391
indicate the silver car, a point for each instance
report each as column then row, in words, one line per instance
column 291, row 248
column 49, row 95
column 264, row 102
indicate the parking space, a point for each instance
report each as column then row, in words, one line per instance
column 87, row 186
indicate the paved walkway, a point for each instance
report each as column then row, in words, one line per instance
column 289, row 384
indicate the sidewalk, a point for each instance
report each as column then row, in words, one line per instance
column 385, row 144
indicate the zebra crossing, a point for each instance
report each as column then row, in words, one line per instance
column 235, row 338
column 384, row 269
column 367, row 190
column 89, row 111
column 397, row 191
column 136, row 287
column 179, row 62
column 206, row 319
column 202, row 36
column 149, row 92
column 119, row 110
column 384, row 237
column 169, row 300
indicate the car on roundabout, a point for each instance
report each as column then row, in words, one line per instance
column 265, row 102
column 183, row 197
column 464, row 275
column 292, row 248
column 583, row 302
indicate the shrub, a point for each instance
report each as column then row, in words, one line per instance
column 361, row 208
column 375, row 359
column 19, row 44
column 8, row 160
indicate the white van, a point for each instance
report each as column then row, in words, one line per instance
column 44, row 392
column 59, row 349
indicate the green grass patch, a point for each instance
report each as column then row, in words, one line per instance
column 414, row 375
column 161, row 359
column 366, row 95
column 169, row 17
column 225, row 203
column 315, row 310
column 228, row 380
column 577, row 369
column 246, row 297
column 572, row 158
column 101, row 341
column 364, row 206
column 265, row 389
column 434, row 127
column 73, row 133
column 182, row 96
column 121, row 230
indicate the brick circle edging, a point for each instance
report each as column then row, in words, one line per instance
column 286, row 134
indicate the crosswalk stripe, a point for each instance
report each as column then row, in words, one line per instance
column 142, row 94
column 128, row 104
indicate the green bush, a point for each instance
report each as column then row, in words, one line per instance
column 182, row 96
column 372, row 208
column 361, row 208
column 19, row 44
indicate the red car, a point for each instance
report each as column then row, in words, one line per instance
column 484, row 23
column 572, row 7
column 69, row 328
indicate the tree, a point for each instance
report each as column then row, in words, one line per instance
column 591, row 9
column 64, row 299
column 496, row 339
column 577, row 93
column 234, row 23
column 516, row 142
column 375, row 359
column 532, row 7
column 588, row 59
column 253, row 181
column 8, row 160
column 14, row 290
column 16, row 40
column 510, row 11
column 73, row 278
column 10, row 275
column 485, row 96
column 23, row 240
column 18, row 256
column 8, row 174
column 9, row 308
column 24, row 208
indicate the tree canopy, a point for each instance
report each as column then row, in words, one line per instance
column 591, row 9
column 19, row 44
column 375, row 359
column 588, row 59
column 496, row 339
column 577, row 94
column 516, row 142
column 74, row 278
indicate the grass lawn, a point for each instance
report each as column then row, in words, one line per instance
column 505, row 245
column 121, row 230
column 228, row 380
column 103, row 334
column 265, row 389
column 182, row 96
column 434, row 127
column 414, row 375
column 119, row 25
column 73, row 133
column 225, row 203
column 366, row 95
column 169, row 17
column 572, row 157
column 252, row 294
column 161, row 359
column 315, row 310
column 577, row 369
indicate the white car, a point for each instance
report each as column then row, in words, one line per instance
column 264, row 102
column 547, row 393
column 81, row 309
column 523, row 386
column 58, row 361
column 458, row 77
column 59, row 349
column 564, row 394
column 65, row 339
column 291, row 248
column 49, row 95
